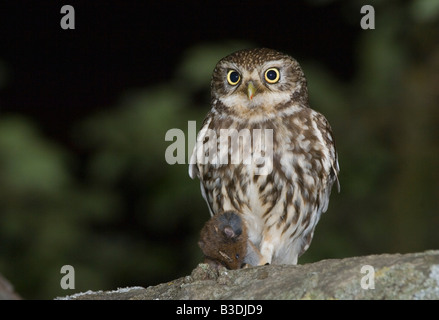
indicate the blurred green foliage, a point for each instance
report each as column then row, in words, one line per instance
column 132, row 219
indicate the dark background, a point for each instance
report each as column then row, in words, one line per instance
column 67, row 74
column 84, row 112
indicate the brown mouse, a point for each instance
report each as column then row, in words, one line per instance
column 224, row 242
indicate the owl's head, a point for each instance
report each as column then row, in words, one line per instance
column 258, row 82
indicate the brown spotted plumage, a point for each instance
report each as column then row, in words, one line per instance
column 282, row 181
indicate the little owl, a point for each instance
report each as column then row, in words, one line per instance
column 265, row 92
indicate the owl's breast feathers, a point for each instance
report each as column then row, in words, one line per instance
column 287, row 202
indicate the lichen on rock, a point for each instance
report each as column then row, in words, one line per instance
column 395, row 276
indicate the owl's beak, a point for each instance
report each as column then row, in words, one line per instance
column 251, row 90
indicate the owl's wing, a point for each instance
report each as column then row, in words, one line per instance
column 328, row 140
column 336, row 170
column 194, row 170
column 334, row 160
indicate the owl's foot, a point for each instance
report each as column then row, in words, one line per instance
column 266, row 253
column 264, row 262
column 253, row 256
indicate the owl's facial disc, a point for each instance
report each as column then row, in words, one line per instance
column 253, row 92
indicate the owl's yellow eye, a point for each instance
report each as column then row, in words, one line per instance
column 272, row 75
column 233, row 77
